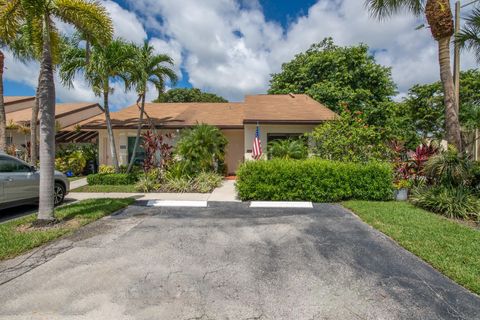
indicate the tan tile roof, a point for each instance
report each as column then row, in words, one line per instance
column 16, row 99
column 263, row 108
column 61, row 109
column 285, row 108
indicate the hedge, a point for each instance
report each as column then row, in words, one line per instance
column 314, row 180
column 111, row 179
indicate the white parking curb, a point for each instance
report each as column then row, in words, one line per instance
column 176, row 203
column 281, row 204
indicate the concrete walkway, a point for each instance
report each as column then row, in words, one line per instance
column 78, row 183
column 226, row 192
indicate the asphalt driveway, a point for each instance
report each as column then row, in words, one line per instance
column 228, row 262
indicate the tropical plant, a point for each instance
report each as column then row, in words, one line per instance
column 147, row 183
column 449, row 168
column 452, row 202
column 75, row 162
column 158, row 150
column 177, row 95
column 439, row 17
column 102, row 65
column 349, row 138
column 206, row 182
column 202, row 149
column 288, row 149
column 39, row 16
column 148, row 68
column 469, row 36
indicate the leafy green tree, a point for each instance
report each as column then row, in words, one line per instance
column 188, row 95
column 148, row 67
column 88, row 17
column 202, row 148
column 338, row 76
column 349, row 138
column 288, row 149
column 423, row 108
column 99, row 67
column 439, row 17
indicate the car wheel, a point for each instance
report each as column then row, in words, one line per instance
column 58, row 193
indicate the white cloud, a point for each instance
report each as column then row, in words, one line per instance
column 228, row 47
column 231, row 49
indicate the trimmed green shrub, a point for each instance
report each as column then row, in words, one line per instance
column 111, row 179
column 314, row 180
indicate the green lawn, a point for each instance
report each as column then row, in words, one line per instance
column 16, row 237
column 106, row 188
column 450, row 247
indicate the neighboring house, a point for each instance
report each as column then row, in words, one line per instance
column 18, row 111
column 278, row 116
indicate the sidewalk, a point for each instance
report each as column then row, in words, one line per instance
column 226, row 192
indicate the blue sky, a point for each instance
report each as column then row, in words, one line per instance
column 230, row 47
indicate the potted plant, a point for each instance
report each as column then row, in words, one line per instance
column 401, row 189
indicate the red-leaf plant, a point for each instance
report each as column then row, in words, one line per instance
column 153, row 145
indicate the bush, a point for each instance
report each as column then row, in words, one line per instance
column 147, row 183
column 202, row 148
column 288, row 149
column 111, row 179
column 314, row 180
column 450, row 168
column 75, row 162
column 349, row 138
column 103, row 168
column 203, row 183
column 452, row 202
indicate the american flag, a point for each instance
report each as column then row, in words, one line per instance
column 257, row 145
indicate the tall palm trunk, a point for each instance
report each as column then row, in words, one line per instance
column 440, row 19
column 3, row 120
column 113, row 150
column 33, row 130
column 46, row 97
column 452, row 122
column 139, row 131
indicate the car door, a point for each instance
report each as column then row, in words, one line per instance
column 19, row 181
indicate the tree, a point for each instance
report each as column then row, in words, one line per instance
column 349, row 138
column 39, row 17
column 188, row 95
column 469, row 36
column 439, row 17
column 148, row 67
column 423, row 107
column 338, row 76
column 102, row 65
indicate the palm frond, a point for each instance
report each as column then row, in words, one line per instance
column 89, row 17
column 382, row 9
column 10, row 19
column 469, row 36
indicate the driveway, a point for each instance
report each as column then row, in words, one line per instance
column 228, row 262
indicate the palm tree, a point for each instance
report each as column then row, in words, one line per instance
column 469, row 36
column 100, row 66
column 39, row 16
column 148, row 67
column 439, row 16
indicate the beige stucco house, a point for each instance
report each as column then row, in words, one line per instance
column 277, row 116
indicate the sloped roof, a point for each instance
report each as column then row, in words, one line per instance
column 17, row 99
column 24, row 116
column 297, row 108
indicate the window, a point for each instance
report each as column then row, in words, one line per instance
column 11, row 165
column 283, row 136
column 140, row 154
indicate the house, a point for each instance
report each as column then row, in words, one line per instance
column 278, row 116
column 18, row 113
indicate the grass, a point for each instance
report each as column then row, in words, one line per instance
column 450, row 247
column 106, row 188
column 17, row 236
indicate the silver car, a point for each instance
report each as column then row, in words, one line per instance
column 19, row 183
